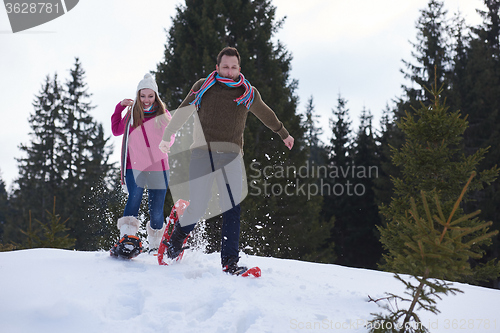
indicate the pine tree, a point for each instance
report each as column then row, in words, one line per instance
column 362, row 245
column 481, row 81
column 85, row 154
column 317, row 152
column 66, row 157
column 430, row 51
column 49, row 234
column 458, row 79
column 481, row 104
column 389, row 136
column 437, row 246
column 338, row 191
column 272, row 223
column 431, row 160
column 39, row 173
column 4, row 208
column 106, row 204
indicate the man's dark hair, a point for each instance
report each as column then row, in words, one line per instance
column 228, row 51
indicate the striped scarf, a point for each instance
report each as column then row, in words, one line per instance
column 149, row 112
column 246, row 98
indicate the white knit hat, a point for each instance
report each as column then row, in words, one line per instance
column 148, row 83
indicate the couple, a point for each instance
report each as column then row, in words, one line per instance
column 222, row 101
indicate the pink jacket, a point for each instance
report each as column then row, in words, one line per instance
column 143, row 152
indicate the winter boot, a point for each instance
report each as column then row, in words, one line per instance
column 154, row 237
column 176, row 242
column 129, row 246
column 230, row 266
column 128, row 225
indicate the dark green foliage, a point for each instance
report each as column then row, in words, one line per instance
column 105, row 206
column 465, row 63
column 67, row 157
column 84, row 152
column 39, row 173
column 317, row 150
column 422, row 296
column 336, row 203
column 49, row 234
column 390, row 136
column 431, row 54
column 436, row 247
column 477, row 89
column 5, row 216
column 431, row 160
column 339, row 160
column 430, row 51
column 362, row 229
column 349, row 198
column 316, row 163
column 4, row 208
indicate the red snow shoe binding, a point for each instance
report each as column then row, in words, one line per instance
column 127, row 248
column 173, row 241
column 254, row 271
column 230, row 266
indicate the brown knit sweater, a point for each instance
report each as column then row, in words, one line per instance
column 221, row 119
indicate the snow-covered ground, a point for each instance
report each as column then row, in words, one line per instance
column 48, row 290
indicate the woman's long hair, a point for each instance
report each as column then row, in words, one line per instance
column 138, row 111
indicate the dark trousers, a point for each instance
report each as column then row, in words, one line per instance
column 205, row 168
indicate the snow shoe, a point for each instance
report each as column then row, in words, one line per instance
column 230, row 266
column 174, row 239
column 175, row 245
column 254, row 271
column 128, row 247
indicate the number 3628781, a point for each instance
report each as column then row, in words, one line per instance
column 31, row 8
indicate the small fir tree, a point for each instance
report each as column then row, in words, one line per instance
column 431, row 160
column 436, row 247
column 51, row 234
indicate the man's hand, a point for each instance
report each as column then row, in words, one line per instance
column 289, row 141
column 164, row 146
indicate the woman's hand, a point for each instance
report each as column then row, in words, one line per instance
column 127, row 102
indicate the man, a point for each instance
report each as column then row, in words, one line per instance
column 223, row 101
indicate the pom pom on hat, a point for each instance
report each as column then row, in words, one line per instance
column 148, row 83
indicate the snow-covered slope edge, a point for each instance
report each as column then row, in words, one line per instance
column 47, row 290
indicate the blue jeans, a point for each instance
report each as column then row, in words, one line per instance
column 156, row 200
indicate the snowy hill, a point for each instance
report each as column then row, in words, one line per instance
column 47, row 290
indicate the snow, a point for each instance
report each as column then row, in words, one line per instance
column 49, row 290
